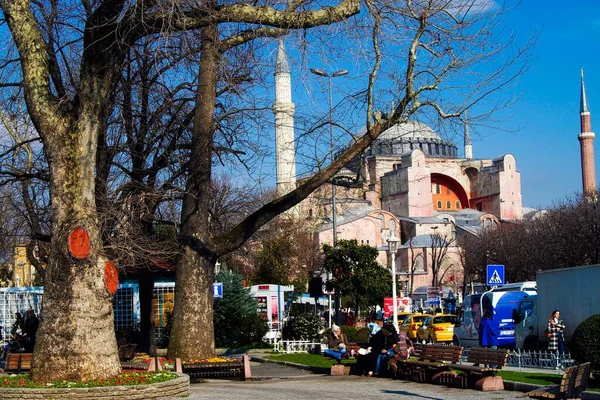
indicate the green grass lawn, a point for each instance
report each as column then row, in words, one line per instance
column 313, row 360
column 540, row 378
column 543, row 379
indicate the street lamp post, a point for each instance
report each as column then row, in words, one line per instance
column 392, row 247
column 330, row 76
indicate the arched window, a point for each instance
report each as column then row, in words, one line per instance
column 439, row 204
column 419, row 265
column 382, row 220
column 448, row 205
column 457, row 204
column 310, row 213
column 393, row 227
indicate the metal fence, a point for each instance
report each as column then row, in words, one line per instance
column 296, row 346
column 541, row 359
column 13, row 300
column 126, row 305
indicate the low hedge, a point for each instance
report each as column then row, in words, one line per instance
column 585, row 346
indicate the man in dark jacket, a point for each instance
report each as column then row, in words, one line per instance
column 337, row 344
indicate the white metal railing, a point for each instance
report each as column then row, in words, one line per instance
column 296, row 346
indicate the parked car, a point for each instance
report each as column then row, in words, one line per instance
column 437, row 328
column 411, row 323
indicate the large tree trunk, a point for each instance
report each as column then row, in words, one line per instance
column 76, row 340
column 193, row 332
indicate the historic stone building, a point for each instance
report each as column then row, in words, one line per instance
column 413, row 183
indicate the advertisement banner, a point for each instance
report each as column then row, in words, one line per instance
column 433, row 296
column 404, row 305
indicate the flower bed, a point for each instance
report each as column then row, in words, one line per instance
column 216, row 367
column 128, row 385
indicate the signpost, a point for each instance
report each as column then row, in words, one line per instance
column 495, row 275
column 217, row 290
column 433, row 296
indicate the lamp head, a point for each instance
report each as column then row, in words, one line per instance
column 319, row 72
column 392, row 243
column 339, row 73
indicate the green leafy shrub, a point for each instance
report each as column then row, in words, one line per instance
column 301, row 326
column 363, row 335
column 325, row 335
column 350, row 332
column 585, row 346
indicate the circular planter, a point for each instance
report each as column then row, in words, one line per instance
column 178, row 387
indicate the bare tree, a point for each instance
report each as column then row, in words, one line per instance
column 439, row 252
column 71, row 59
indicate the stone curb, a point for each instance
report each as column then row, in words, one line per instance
column 178, row 387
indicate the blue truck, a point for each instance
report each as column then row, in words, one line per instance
column 501, row 303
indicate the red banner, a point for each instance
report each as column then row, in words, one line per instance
column 404, row 305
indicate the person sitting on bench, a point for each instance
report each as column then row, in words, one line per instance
column 337, row 344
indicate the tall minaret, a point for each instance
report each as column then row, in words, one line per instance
column 586, row 140
column 467, row 140
column 284, row 125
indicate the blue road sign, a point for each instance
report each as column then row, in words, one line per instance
column 495, row 275
column 217, row 290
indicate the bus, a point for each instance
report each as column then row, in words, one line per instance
column 500, row 304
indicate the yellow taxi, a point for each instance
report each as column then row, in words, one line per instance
column 401, row 316
column 411, row 323
column 437, row 328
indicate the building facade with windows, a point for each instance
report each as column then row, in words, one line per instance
column 411, row 182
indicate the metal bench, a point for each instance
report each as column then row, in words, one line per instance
column 574, row 382
column 482, row 374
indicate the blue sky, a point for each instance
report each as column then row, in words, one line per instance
column 541, row 128
column 546, row 147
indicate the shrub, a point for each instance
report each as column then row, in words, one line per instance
column 303, row 326
column 350, row 332
column 585, row 344
column 325, row 334
column 363, row 335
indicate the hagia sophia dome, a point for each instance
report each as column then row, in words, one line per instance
column 404, row 137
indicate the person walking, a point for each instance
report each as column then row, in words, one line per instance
column 556, row 341
column 488, row 331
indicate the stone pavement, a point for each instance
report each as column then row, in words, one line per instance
column 272, row 381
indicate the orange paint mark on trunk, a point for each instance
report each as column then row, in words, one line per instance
column 111, row 277
column 79, row 244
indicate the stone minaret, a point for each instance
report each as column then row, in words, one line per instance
column 586, row 140
column 467, row 140
column 284, row 125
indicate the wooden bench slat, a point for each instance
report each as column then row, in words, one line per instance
column 17, row 362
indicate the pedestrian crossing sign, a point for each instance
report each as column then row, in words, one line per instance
column 495, row 275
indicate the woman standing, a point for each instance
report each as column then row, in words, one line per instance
column 556, row 341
